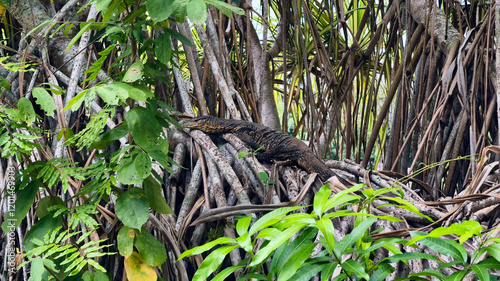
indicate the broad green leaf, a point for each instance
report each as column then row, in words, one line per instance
column 132, row 208
column 299, row 256
column 110, row 136
column 494, row 251
column 26, row 111
column 243, row 224
column 45, row 225
column 102, row 5
column 271, row 218
column 325, row 225
column 381, row 273
column 20, row 207
column 125, row 240
column 307, row 272
column 457, row 276
column 37, row 270
column 159, row 10
column 76, row 102
column 320, row 199
column 264, row 253
column 254, row 276
column 45, row 203
column 446, row 247
column 179, row 37
column 245, row 242
column 152, row 189
column 179, row 10
column 137, row 270
column 143, row 126
column 163, row 48
column 490, row 263
column 142, row 164
column 126, row 169
column 197, row 11
column 44, row 99
column 112, row 95
column 466, row 229
column 481, row 272
column 134, row 72
column 354, row 267
column 410, row 256
column 212, row 262
column 226, row 8
column 289, row 252
column 96, row 276
column 263, row 176
column 356, row 233
column 269, row 233
column 207, row 246
column 327, row 270
column 226, row 272
column 429, row 272
column 152, row 251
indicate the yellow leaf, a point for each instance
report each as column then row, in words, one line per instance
column 137, row 270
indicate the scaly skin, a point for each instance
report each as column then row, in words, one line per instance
column 273, row 144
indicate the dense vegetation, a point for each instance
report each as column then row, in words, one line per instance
column 99, row 181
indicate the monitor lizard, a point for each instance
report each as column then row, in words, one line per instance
column 269, row 144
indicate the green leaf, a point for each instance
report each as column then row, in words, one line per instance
column 45, row 203
column 320, row 200
column 284, row 254
column 446, row 247
column 96, row 276
column 245, row 242
column 134, row 72
column 83, row 27
column 76, row 102
column 381, row 273
column 126, row 169
column 271, row 218
column 26, row 110
column 265, row 252
column 110, row 136
column 226, row 272
column 352, row 266
column 212, row 262
column 299, row 256
column 44, row 99
column 163, row 48
column 179, row 10
column 203, row 248
column 356, row 233
column 37, row 270
column 490, row 263
column 263, row 176
column 429, row 272
column 132, row 208
column 159, row 10
column 152, row 189
column 307, row 272
column 143, row 126
column 142, row 165
column 410, row 256
column 243, row 224
column 325, row 225
column 152, row 251
column 21, row 206
column 112, row 94
column 457, row 276
column 226, row 8
column 125, row 240
column 197, row 11
column 481, row 272
column 494, row 251
column 242, row 154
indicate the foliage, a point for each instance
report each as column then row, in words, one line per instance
column 304, row 257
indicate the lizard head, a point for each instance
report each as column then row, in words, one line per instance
column 206, row 124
